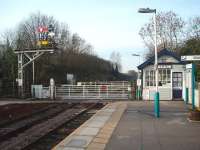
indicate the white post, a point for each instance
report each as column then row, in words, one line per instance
column 157, row 96
column 83, row 91
column 33, row 72
column 55, row 91
column 99, row 91
column 107, row 90
column 156, row 57
column 69, row 91
column 123, row 90
column 20, row 76
column 52, row 85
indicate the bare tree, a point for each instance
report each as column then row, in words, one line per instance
column 169, row 31
column 27, row 35
column 8, row 35
column 79, row 45
column 115, row 58
column 193, row 30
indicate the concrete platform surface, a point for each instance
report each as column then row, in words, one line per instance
column 138, row 129
column 94, row 133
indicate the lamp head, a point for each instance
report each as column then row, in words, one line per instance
column 146, row 10
column 135, row 55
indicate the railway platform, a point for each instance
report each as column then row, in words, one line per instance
column 132, row 126
column 96, row 132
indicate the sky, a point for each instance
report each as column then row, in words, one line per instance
column 108, row 25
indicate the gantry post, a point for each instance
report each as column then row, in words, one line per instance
column 20, row 75
column 32, row 55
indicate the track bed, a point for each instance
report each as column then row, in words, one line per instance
column 44, row 125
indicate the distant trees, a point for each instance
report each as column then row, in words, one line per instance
column 193, row 30
column 169, row 31
column 8, row 69
column 27, row 36
column 191, row 47
column 172, row 32
column 74, row 55
column 133, row 73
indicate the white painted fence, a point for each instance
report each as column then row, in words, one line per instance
column 92, row 92
column 85, row 90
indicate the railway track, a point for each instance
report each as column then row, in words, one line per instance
column 53, row 138
column 10, row 118
column 19, row 126
column 37, row 128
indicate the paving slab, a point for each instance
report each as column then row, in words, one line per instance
column 89, row 131
column 71, row 148
column 78, row 141
column 96, row 124
column 100, row 118
column 96, row 146
column 100, row 140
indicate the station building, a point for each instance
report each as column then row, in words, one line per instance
column 173, row 77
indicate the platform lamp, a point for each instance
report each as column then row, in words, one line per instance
column 138, row 90
column 156, row 97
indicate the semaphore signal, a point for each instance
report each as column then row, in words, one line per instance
column 46, row 36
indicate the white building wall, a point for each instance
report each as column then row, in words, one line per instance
column 165, row 91
column 188, row 84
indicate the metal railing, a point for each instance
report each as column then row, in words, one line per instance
column 92, row 91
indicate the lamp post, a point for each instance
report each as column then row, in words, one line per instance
column 138, row 90
column 156, row 97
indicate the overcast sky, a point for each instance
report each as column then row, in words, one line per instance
column 108, row 25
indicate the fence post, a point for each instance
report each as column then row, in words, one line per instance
column 52, row 89
column 83, row 91
column 107, row 90
column 55, row 91
column 123, row 90
column 33, row 91
column 129, row 92
column 69, row 92
column 99, row 91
